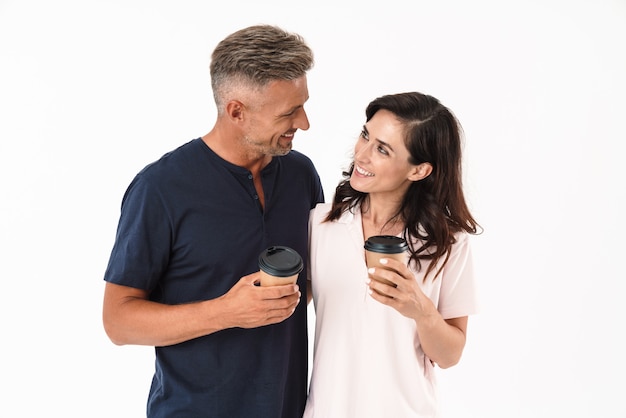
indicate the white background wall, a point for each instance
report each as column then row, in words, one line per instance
column 91, row 91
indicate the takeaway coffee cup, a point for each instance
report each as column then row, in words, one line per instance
column 384, row 246
column 279, row 265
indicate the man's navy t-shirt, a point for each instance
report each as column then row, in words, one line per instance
column 191, row 226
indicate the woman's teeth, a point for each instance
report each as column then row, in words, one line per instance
column 362, row 171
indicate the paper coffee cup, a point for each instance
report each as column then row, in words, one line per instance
column 385, row 246
column 279, row 265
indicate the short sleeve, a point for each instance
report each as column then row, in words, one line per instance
column 142, row 243
column 458, row 296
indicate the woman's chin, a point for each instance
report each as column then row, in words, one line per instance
column 355, row 183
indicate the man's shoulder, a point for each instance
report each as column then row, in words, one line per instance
column 172, row 157
column 298, row 160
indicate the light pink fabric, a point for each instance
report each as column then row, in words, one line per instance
column 367, row 360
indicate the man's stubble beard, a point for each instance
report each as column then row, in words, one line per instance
column 264, row 149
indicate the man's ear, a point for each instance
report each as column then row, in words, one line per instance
column 420, row 171
column 234, row 109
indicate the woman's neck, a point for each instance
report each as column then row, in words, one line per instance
column 381, row 218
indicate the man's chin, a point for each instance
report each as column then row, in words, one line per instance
column 280, row 151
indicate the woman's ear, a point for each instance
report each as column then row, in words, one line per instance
column 421, row 171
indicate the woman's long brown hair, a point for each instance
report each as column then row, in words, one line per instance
column 434, row 208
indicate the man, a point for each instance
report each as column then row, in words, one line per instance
column 183, row 273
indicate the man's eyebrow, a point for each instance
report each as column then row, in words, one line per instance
column 291, row 111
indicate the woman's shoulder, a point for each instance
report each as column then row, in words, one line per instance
column 320, row 211
column 322, row 207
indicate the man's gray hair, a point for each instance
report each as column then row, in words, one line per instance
column 256, row 55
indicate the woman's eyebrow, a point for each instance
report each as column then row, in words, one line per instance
column 381, row 142
column 384, row 144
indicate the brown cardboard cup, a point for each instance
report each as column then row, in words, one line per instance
column 384, row 246
column 279, row 265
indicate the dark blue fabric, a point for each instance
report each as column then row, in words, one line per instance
column 191, row 225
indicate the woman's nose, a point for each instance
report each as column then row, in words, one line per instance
column 361, row 150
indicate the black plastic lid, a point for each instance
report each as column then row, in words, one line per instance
column 386, row 244
column 280, row 261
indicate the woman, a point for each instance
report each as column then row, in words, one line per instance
column 376, row 344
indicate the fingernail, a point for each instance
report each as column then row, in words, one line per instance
column 368, row 280
column 383, row 261
column 371, row 270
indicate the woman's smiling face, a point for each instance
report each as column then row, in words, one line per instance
column 381, row 159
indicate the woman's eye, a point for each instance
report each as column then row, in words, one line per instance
column 364, row 135
column 382, row 150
